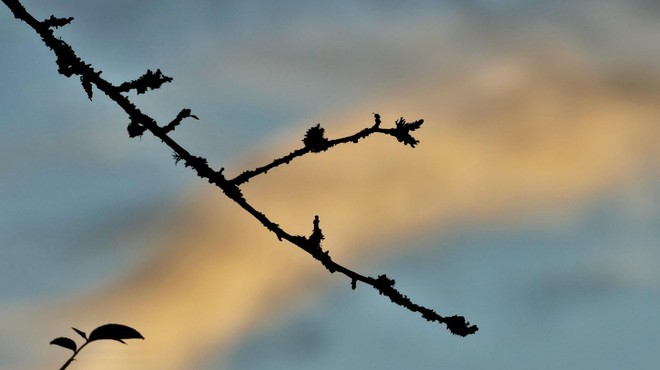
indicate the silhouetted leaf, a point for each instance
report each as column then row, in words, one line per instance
column 81, row 333
column 116, row 332
column 65, row 342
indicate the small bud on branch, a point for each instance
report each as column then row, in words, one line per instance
column 314, row 139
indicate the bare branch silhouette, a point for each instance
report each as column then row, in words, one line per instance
column 69, row 64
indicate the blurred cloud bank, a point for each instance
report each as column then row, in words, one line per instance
column 534, row 112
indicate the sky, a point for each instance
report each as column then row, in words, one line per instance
column 530, row 206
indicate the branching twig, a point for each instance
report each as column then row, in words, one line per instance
column 316, row 142
column 70, row 64
column 116, row 332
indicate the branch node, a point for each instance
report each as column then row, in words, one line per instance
column 135, row 128
column 384, row 283
column 315, row 140
column 314, row 240
column 55, row 22
column 234, row 192
column 184, row 113
column 148, row 81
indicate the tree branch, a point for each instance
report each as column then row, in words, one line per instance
column 316, row 142
column 70, row 64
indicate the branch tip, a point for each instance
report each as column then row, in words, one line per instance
column 457, row 325
column 402, row 131
column 184, row 113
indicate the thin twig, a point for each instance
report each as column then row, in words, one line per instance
column 321, row 145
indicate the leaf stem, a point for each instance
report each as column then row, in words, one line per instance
column 73, row 356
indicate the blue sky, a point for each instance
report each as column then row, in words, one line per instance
column 531, row 205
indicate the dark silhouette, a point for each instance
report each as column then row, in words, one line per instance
column 116, row 332
column 69, row 64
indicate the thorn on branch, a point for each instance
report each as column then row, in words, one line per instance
column 200, row 164
column 315, row 140
column 177, row 158
column 185, row 113
column 149, row 80
column 55, row 22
